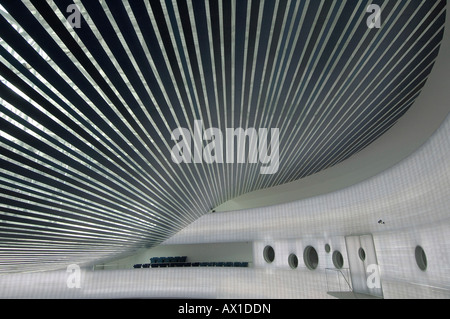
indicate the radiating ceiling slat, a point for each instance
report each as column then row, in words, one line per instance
column 87, row 113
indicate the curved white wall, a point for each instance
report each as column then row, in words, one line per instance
column 412, row 130
column 413, row 198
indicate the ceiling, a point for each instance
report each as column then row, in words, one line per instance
column 87, row 111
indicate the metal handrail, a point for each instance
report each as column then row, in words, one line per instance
column 339, row 271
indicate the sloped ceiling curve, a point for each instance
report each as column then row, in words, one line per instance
column 88, row 110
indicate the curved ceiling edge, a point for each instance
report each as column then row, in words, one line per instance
column 403, row 139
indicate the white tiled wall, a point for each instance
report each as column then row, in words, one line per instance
column 412, row 198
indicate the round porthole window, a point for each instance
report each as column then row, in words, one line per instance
column 327, row 248
column 311, row 258
column 338, row 260
column 269, row 254
column 361, row 254
column 421, row 258
column 293, row 261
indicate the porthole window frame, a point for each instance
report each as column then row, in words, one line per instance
column 293, row 261
column 311, row 265
column 421, row 258
column 327, row 248
column 362, row 254
column 269, row 254
column 338, row 259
